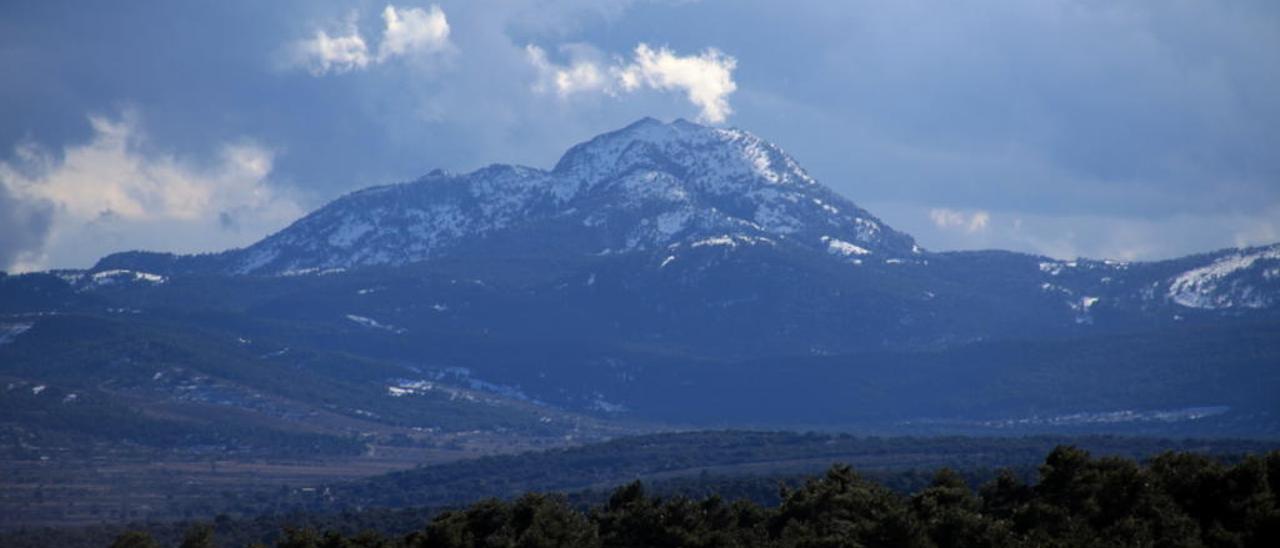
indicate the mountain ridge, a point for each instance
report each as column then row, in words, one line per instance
column 679, row 273
column 664, row 190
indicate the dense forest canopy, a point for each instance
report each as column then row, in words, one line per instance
column 1174, row 499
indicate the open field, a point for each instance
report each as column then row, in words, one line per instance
column 148, row 487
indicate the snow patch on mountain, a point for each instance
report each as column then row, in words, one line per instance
column 10, row 331
column 826, row 207
column 119, row 276
column 374, row 324
column 731, row 240
column 845, row 249
column 1054, row 288
column 1222, row 284
column 313, row 271
column 458, row 376
column 1054, row 268
column 1082, row 308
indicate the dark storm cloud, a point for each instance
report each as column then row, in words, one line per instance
column 24, row 225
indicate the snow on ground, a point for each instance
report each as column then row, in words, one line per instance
column 310, row 271
column 374, row 324
column 842, row 248
column 1055, row 268
column 109, row 277
column 478, row 391
column 1082, row 307
column 10, row 331
column 1113, row 417
column 731, row 240
column 1208, row 287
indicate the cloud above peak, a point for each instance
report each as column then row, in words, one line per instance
column 406, row 31
column 706, row 79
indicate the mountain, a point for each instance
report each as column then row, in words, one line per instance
column 690, row 228
column 680, row 273
column 648, row 187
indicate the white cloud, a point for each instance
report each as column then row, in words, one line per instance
column 578, row 77
column 106, row 193
column 406, row 31
column 413, row 29
column 323, row 53
column 951, row 219
column 706, row 78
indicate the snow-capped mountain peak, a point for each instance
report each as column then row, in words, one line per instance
column 714, row 158
column 645, row 187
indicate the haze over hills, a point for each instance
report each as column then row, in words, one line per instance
column 666, row 273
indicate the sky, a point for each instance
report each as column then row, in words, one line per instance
column 1131, row 130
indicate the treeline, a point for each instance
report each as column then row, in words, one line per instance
column 669, row 455
column 1176, row 499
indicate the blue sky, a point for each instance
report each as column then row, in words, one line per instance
column 1128, row 130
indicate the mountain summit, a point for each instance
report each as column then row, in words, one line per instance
column 648, row 186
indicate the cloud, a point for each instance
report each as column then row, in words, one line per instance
column 951, row 219
column 706, row 78
column 1122, row 113
column 578, row 77
column 94, row 198
column 406, row 31
column 413, row 29
column 1123, row 238
column 1096, row 236
column 323, row 53
column 25, row 225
